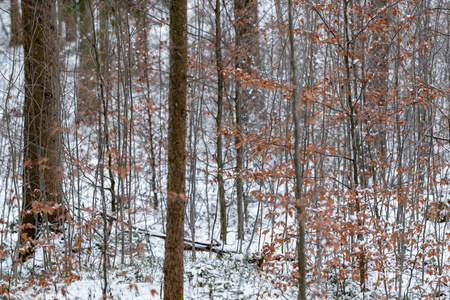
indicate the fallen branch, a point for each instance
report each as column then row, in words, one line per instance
column 200, row 246
column 208, row 248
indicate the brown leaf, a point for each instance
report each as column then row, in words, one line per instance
column 43, row 160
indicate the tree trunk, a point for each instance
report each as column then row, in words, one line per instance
column 297, row 166
column 220, row 82
column 16, row 24
column 173, row 263
column 239, row 163
column 42, row 172
column 247, row 102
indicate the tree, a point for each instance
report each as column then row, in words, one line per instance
column 219, row 158
column 42, row 171
column 16, row 24
column 246, row 16
column 298, row 167
column 174, row 245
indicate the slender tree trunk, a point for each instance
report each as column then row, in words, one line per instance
column 193, row 132
column 297, row 165
column 239, row 162
column 220, row 82
column 239, row 148
column 356, row 152
column 142, row 45
column 42, row 172
column 176, row 201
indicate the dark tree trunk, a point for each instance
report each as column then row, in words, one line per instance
column 16, row 24
column 176, row 201
column 42, row 171
column 239, row 164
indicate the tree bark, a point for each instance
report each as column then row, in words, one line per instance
column 355, row 146
column 42, row 171
column 298, row 167
column 16, row 24
column 239, row 164
column 220, row 82
column 176, row 201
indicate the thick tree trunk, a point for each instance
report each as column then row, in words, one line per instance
column 173, row 263
column 42, row 175
column 16, row 24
